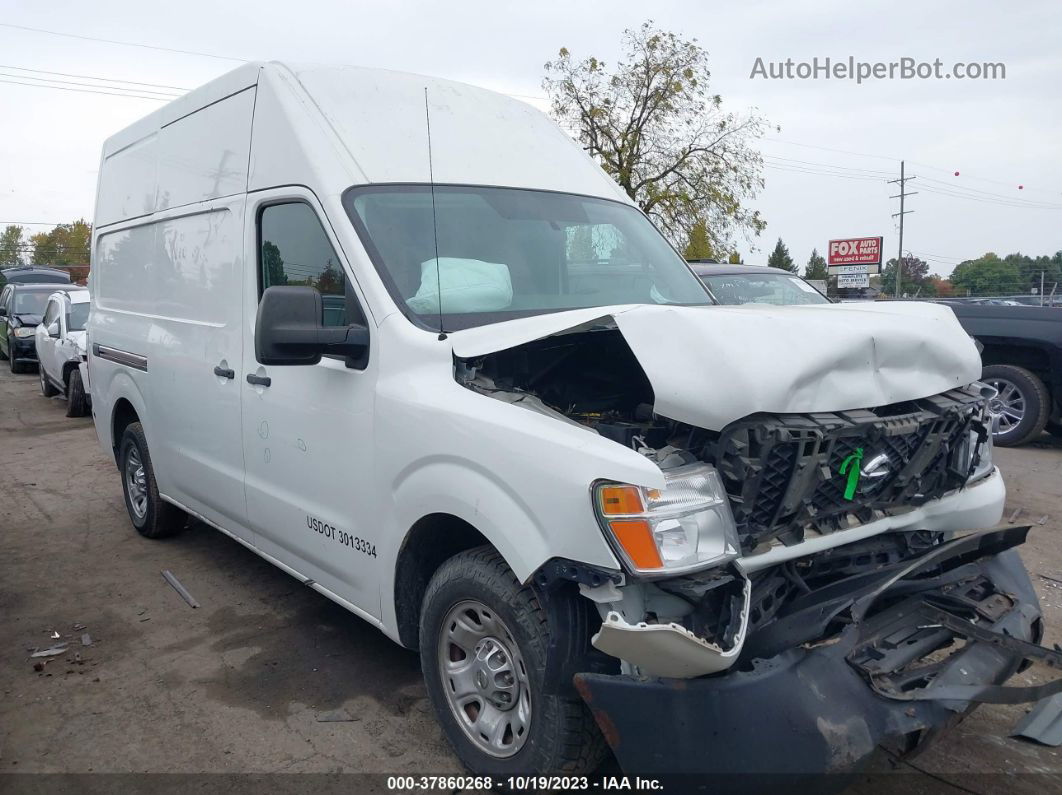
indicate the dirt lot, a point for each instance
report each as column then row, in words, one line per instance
column 240, row 685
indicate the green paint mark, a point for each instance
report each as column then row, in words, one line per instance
column 851, row 466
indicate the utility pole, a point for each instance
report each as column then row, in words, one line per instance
column 903, row 180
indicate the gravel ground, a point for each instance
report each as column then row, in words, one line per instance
column 241, row 684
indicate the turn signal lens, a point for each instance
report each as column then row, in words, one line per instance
column 620, row 500
column 636, row 538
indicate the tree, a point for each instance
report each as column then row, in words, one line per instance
column 66, row 244
column 734, row 258
column 780, row 258
column 987, row 275
column 816, row 268
column 274, row 265
column 655, row 127
column 913, row 275
column 330, row 281
column 11, row 246
column 700, row 244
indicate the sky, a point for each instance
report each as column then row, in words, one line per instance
column 826, row 169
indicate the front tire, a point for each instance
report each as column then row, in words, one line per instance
column 16, row 367
column 76, row 399
column 483, row 647
column 46, row 386
column 152, row 516
column 1023, row 404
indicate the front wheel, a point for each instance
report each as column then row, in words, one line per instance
column 1022, row 406
column 46, row 386
column 152, row 516
column 483, row 646
column 76, row 399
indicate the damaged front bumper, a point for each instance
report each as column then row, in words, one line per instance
column 920, row 644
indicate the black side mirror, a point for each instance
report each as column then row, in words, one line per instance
column 289, row 330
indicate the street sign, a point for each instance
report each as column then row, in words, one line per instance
column 854, row 251
column 848, row 269
column 853, row 280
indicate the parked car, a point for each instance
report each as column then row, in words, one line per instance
column 60, row 340
column 756, row 284
column 34, row 274
column 21, row 309
column 1022, row 358
column 531, row 446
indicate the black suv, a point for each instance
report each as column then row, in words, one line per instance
column 21, row 308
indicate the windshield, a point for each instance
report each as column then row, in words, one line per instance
column 30, row 303
column 78, row 317
column 505, row 253
column 763, row 288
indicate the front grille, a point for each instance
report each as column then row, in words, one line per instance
column 782, row 471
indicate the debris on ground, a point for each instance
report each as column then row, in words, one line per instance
column 1053, row 582
column 86, row 639
column 53, row 634
column 79, row 627
column 168, row 576
column 1043, row 724
column 52, row 652
column 1043, row 519
column 1013, row 517
column 335, row 716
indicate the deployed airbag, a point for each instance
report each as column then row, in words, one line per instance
column 468, row 285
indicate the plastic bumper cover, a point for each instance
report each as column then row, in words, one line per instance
column 823, row 707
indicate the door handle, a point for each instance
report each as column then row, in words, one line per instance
column 259, row 380
column 222, row 372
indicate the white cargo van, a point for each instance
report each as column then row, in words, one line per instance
column 404, row 339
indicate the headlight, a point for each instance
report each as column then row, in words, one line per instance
column 25, row 331
column 984, row 452
column 687, row 525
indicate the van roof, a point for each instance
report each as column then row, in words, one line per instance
column 350, row 125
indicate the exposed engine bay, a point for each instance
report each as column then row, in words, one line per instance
column 781, row 471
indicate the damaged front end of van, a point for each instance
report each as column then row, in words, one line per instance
column 819, row 572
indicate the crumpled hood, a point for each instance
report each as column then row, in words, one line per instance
column 28, row 318
column 711, row 365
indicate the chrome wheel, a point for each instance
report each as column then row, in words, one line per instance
column 136, row 484
column 1008, row 406
column 484, row 679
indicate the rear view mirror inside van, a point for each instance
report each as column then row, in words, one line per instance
column 290, row 330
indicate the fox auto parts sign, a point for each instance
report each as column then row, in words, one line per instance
column 854, row 251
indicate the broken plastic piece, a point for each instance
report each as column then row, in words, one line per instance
column 168, row 576
column 86, row 639
column 52, row 652
column 1043, row 724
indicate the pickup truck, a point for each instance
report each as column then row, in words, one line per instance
column 1022, row 358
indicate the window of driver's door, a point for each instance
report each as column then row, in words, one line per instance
column 294, row 250
column 51, row 314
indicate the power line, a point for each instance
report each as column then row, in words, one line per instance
column 818, row 163
column 979, row 193
column 122, row 43
column 83, row 90
column 90, row 77
column 998, row 202
column 166, row 94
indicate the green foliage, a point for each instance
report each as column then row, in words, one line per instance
column 1010, row 275
column 656, row 128
column 914, row 278
column 11, row 246
column 988, row 275
column 780, row 258
column 274, row 265
column 699, row 245
column 330, row 282
column 66, row 244
column 734, row 258
column 816, row 268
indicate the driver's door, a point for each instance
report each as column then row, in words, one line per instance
column 307, row 429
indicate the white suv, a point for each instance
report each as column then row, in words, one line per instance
column 61, row 348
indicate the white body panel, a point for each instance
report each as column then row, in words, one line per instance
column 55, row 354
column 371, row 452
